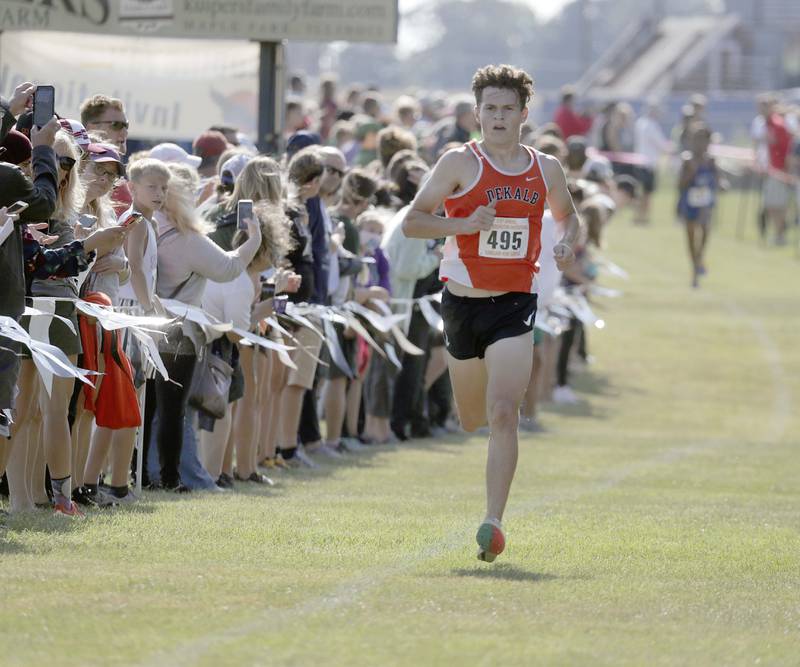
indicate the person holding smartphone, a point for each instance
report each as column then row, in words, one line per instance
column 26, row 480
column 39, row 193
column 100, row 169
column 187, row 259
column 243, row 302
column 259, row 181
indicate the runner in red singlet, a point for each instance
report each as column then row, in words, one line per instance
column 494, row 192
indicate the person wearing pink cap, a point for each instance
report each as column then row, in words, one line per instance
column 100, row 169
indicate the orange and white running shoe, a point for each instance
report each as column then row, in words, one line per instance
column 67, row 507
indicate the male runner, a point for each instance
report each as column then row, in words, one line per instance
column 494, row 193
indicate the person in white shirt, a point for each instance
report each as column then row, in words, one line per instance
column 239, row 301
column 651, row 143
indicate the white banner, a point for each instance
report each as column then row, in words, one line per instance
column 264, row 20
column 172, row 89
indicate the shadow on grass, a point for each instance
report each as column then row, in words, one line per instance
column 504, row 571
column 43, row 520
column 594, row 383
column 449, row 443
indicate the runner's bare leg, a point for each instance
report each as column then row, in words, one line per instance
column 508, row 364
column 468, row 377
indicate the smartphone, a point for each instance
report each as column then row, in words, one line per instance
column 87, row 221
column 132, row 219
column 17, row 207
column 244, row 211
column 267, row 291
column 44, row 105
column 279, row 304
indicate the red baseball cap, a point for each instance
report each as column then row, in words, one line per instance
column 16, row 148
column 210, row 144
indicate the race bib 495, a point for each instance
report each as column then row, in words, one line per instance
column 507, row 239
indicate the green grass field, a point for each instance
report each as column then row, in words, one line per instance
column 655, row 524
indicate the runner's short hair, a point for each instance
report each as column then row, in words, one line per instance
column 94, row 107
column 503, row 76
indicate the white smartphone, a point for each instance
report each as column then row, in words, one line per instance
column 244, row 210
column 17, row 207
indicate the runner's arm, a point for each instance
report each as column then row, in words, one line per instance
column 560, row 201
column 445, row 179
column 688, row 169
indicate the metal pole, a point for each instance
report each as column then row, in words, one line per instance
column 270, row 96
column 140, row 442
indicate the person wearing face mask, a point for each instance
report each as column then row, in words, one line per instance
column 370, row 241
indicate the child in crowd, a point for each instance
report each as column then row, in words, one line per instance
column 148, row 181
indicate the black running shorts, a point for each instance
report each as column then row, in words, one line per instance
column 471, row 325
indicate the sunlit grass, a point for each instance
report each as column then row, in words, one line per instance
column 654, row 524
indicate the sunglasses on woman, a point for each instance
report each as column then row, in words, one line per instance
column 66, row 162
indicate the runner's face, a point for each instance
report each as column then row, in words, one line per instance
column 499, row 115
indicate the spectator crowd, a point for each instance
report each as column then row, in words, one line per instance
column 190, row 321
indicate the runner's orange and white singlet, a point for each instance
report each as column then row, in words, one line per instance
column 504, row 257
